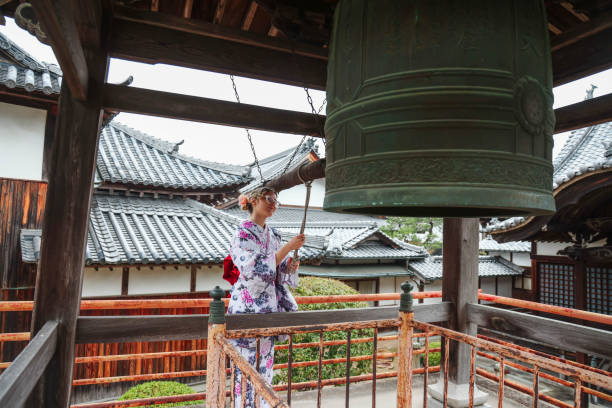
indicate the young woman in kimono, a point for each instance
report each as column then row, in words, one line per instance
column 265, row 274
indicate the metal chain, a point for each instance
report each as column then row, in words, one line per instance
column 315, row 113
column 247, row 131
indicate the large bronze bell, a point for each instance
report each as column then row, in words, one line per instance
column 439, row 107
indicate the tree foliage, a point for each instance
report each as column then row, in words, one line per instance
column 425, row 231
column 311, row 286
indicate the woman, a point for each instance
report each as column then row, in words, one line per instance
column 265, row 272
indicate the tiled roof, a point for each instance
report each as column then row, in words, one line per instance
column 18, row 69
column 430, row 268
column 355, row 271
column 377, row 250
column 489, row 244
column 134, row 230
column 293, row 215
column 586, row 150
column 128, row 156
column 274, row 166
column 350, row 236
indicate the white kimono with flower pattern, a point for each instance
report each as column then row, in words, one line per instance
column 262, row 287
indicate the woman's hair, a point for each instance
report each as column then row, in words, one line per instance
column 244, row 200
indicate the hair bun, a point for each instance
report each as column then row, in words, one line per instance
column 243, row 202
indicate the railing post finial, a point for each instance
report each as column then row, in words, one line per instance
column 217, row 307
column 406, row 297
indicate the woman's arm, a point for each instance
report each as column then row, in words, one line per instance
column 293, row 244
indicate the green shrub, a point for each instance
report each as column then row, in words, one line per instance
column 311, row 286
column 160, row 389
column 434, row 358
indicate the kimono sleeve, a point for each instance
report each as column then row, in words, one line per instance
column 285, row 275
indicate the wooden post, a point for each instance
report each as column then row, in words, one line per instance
column 404, row 352
column 215, row 364
column 64, row 231
column 460, row 286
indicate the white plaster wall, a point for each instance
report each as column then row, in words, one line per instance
column 503, row 254
column 522, row 259
column 159, row 279
column 296, row 195
column 551, row 248
column 22, row 136
column 207, row 277
column 105, row 281
column 387, row 285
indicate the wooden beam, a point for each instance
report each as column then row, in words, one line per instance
column 20, row 378
column 249, row 16
column 61, row 30
column 307, row 172
column 219, row 11
column 198, row 27
column 108, row 329
column 581, row 58
column 153, row 44
column 64, row 230
column 188, row 9
column 581, row 32
column 559, row 334
column 171, row 105
column 460, row 286
column 582, row 114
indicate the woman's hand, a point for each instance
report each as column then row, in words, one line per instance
column 293, row 244
column 296, row 242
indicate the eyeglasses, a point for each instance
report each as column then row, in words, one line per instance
column 271, row 200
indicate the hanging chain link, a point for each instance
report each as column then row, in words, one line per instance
column 248, row 132
column 315, row 113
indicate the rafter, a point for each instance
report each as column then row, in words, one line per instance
column 581, row 31
column 188, row 8
column 154, row 44
column 249, row 16
column 219, row 11
column 206, row 29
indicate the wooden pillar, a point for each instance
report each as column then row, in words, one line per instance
column 64, row 231
column 580, row 302
column 404, row 348
column 460, row 286
column 215, row 362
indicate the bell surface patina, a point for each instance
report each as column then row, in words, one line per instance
column 440, row 108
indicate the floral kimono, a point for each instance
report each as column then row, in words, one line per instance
column 262, row 287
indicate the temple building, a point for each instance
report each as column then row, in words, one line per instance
column 571, row 250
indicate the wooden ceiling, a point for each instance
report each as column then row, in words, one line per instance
column 283, row 41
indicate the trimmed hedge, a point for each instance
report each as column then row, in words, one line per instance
column 160, row 389
column 312, row 286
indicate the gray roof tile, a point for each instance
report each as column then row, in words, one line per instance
column 127, row 156
column 350, row 236
column 430, row 268
column 20, row 70
column 489, row 244
column 134, row 230
column 586, row 150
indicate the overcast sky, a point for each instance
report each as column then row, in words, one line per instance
column 228, row 144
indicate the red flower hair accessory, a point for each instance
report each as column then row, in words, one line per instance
column 243, row 201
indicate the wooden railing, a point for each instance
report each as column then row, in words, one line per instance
column 151, row 328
